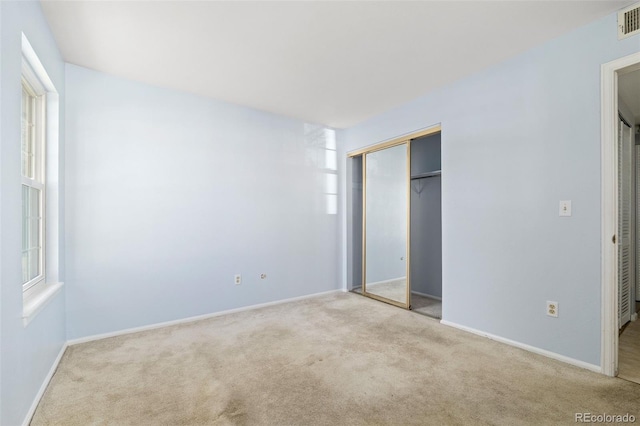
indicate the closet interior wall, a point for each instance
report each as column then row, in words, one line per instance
column 354, row 243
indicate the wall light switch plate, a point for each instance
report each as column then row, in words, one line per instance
column 565, row 208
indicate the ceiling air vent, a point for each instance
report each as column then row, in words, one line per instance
column 629, row 21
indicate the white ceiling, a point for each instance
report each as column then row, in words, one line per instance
column 332, row 62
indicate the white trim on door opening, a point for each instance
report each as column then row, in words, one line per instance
column 609, row 208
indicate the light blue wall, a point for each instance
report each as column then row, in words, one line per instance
column 170, row 194
column 516, row 139
column 27, row 354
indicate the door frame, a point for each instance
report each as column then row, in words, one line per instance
column 362, row 152
column 407, row 303
column 609, row 208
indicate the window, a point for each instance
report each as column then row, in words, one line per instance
column 322, row 153
column 40, row 181
column 33, row 181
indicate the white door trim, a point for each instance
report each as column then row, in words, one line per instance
column 609, row 206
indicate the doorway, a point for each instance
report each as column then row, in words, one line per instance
column 620, row 157
column 628, row 221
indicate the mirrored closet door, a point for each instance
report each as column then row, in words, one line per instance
column 386, row 196
column 389, row 183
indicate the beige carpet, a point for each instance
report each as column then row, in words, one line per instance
column 340, row 359
column 629, row 353
column 426, row 305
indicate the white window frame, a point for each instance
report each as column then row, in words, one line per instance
column 36, row 91
column 38, row 292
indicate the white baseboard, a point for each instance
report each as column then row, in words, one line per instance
column 43, row 387
column 430, row 296
column 195, row 318
column 539, row 351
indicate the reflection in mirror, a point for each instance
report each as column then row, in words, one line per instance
column 386, row 197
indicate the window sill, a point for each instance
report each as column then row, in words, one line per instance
column 35, row 302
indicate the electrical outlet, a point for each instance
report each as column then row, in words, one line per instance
column 237, row 279
column 552, row 309
column 565, row 208
column 263, row 276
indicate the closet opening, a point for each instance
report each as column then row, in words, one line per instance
column 426, row 226
column 394, row 222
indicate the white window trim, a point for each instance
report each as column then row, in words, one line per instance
column 39, row 295
column 38, row 181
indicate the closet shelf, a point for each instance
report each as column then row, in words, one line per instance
column 427, row 174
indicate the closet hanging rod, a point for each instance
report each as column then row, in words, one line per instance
column 427, row 175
